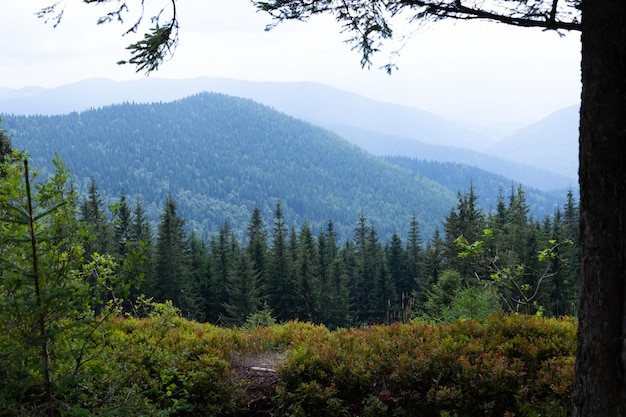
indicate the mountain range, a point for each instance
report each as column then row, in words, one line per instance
column 219, row 156
column 542, row 155
column 551, row 142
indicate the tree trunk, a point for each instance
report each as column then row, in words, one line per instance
column 600, row 388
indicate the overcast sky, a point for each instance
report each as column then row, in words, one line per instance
column 482, row 73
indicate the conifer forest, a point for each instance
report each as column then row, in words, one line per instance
column 102, row 314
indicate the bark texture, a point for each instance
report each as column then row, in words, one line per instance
column 600, row 363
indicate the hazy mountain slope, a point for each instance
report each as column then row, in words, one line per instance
column 317, row 103
column 487, row 185
column 383, row 145
column 380, row 125
column 551, row 143
column 219, row 156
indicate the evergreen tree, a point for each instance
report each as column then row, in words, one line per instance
column 351, row 266
column 222, row 260
column 382, row 295
column 122, row 219
column 327, row 252
column 140, row 230
column 257, row 246
column 561, row 289
column 308, row 279
column 466, row 220
column 571, row 252
column 450, row 300
column 432, row 268
column 196, row 288
column 501, row 215
column 440, row 295
column 92, row 214
column 414, row 268
column 396, row 261
column 172, row 261
column 519, row 246
column 5, row 150
column 389, row 305
column 47, row 323
column 279, row 287
column 142, row 241
column 364, row 273
column 335, row 295
column 244, row 297
column 133, row 258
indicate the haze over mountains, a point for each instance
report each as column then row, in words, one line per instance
column 551, row 142
column 543, row 155
column 219, row 156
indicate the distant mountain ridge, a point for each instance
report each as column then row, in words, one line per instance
column 387, row 145
column 316, row 103
column 552, row 141
column 219, row 156
column 488, row 187
column 417, row 132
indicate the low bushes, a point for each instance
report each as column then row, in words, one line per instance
column 163, row 365
column 508, row 366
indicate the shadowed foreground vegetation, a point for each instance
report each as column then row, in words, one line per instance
column 165, row 365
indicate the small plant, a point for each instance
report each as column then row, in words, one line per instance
column 262, row 318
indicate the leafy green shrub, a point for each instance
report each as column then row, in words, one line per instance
column 162, row 365
column 509, row 365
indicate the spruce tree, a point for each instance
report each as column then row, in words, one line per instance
column 396, row 260
column 363, row 275
column 279, row 287
column 308, row 278
column 198, row 277
column 414, row 266
column 47, row 324
column 5, row 149
column 100, row 238
column 122, row 219
column 141, row 239
column 335, row 295
column 222, row 260
column 465, row 220
column 382, row 297
column 172, row 262
column 244, row 297
column 257, row 246
column 572, row 251
column 561, row 289
column 433, row 265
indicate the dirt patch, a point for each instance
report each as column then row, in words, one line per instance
column 258, row 374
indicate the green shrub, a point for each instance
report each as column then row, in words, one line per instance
column 164, row 365
column 507, row 366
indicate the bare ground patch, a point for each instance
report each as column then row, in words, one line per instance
column 259, row 375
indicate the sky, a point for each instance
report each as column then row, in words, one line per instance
column 479, row 73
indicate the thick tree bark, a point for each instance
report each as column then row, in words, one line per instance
column 600, row 362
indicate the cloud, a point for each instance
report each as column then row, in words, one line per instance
column 479, row 73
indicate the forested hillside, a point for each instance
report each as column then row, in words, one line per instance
column 91, row 301
column 489, row 186
column 220, row 156
column 523, row 169
column 533, row 156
